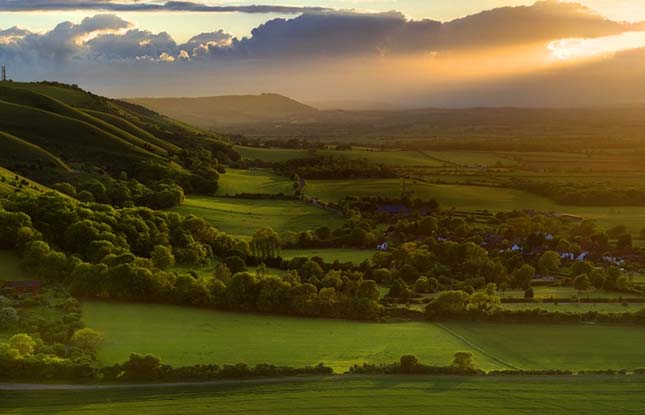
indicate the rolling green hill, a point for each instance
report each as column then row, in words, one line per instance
column 53, row 132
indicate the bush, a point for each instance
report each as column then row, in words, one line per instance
column 8, row 318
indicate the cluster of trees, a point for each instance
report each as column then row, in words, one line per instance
column 24, row 357
column 584, row 194
column 330, row 167
column 462, row 365
column 126, row 254
column 355, row 233
column 124, row 193
column 150, row 368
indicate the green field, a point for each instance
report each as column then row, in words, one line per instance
column 330, row 255
column 273, row 155
column 253, row 181
column 10, row 266
column 398, row 158
column 188, row 336
column 242, row 217
column 464, row 197
column 578, row 307
column 379, row 395
column 566, row 346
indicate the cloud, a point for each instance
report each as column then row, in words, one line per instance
column 145, row 6
column 64, row 42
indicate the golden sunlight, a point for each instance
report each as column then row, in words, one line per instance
column 572, row 49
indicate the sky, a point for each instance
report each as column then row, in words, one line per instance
column 405, row 52
column 184, row 26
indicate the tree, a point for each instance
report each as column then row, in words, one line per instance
column 624, row 242
column 87, row 340
column 162, row 257
column 581, row 267
column 398, row 289
column 463, row 361
column 528, row 294
column 265, row 243
column 523, row 275
column 549, row 262
column 368, row 289
column 8, row 318
column 581, row 282
column 409, row 363
column 235, row 264
column 23, row 344
column 422, row 285
column 597, row 278
column 448, row 303
column 222, row 273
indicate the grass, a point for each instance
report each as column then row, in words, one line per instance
column 242, row 217
column 561, row 346
column 9, row 184
column 465, row 197
column 184, row 336
column 253, row 181
column 273, row 155
column 10, row 269
column 330, row 255
column 578, row 307
column 391, row 395
column 564, row 292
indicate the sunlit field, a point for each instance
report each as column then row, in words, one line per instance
column 242, row 217
column 204, row 336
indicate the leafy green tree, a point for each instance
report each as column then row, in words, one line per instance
column 581, row 282
column 162, row 257
column 409, row 363
column 448, row 303
column 265, row 243
column 463, row 361
column 8, row 318
column 87, row 340
column 422, row 285
column 581, row 267
column 549, row 262
column 523, row 276
column 23, row 344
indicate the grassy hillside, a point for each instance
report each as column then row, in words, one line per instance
column 210, row 112
column 14, row 149
column 11, row 182
column 77, row 140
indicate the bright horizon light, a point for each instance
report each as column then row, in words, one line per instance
column 578, row 48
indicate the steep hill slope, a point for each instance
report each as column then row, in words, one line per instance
column 211, row 112
column 52, row 133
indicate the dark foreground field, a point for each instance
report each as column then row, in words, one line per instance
column 372, row 395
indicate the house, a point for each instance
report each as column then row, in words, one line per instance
column 21, row 287
column 383, row 247
column 516, row 248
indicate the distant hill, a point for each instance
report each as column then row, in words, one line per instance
column 212, row 112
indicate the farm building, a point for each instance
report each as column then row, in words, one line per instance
column 21, row 287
